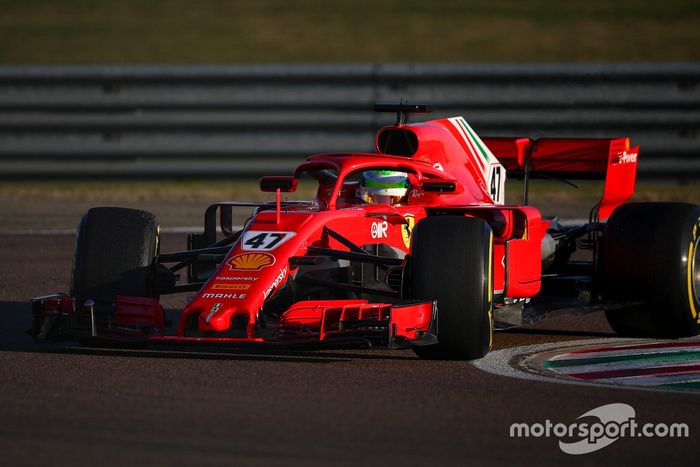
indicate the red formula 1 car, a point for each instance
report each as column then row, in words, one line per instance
column 409, row 246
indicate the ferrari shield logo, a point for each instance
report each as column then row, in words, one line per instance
column 407, row 228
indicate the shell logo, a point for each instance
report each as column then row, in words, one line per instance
column 250, row 261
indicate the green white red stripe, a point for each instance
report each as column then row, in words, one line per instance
column 483, row 158
column 661, row 364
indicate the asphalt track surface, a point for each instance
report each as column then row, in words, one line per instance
column 66, row 405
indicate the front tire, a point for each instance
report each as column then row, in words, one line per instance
column 115, row 254
column 650, row 254
column 451, row 262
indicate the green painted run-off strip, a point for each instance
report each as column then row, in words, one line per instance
column 688, row 385
column 657, row 357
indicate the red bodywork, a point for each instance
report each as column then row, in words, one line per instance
column 248, row 277
column 446, row 150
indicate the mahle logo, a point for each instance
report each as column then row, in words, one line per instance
column 614, row 421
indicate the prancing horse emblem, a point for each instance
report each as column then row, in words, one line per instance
column 407, row 228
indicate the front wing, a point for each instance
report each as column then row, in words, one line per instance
column 314, row 323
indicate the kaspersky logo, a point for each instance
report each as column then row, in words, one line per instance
column 250, row 261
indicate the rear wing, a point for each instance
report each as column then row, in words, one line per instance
column 611, row 160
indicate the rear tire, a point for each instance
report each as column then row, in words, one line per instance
column 451, row 262
column 115, row 254
column 650, row 254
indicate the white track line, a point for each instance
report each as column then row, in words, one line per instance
column 165, row 230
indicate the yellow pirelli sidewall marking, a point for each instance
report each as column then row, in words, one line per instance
column 490, row 305
column 157, row 238
column 691, row 260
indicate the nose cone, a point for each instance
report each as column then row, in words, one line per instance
column 218, row 317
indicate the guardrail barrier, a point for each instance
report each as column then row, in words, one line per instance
column 245, row 120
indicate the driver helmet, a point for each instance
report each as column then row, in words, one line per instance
column 382, row 186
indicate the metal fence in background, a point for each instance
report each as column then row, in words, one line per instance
column 245, row 120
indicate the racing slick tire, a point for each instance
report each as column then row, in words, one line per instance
column 451, row 262
column 115, row 253
column 650, row 255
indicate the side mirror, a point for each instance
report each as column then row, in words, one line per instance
column 439, row 186
column 286, row 184
column 523, row 151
